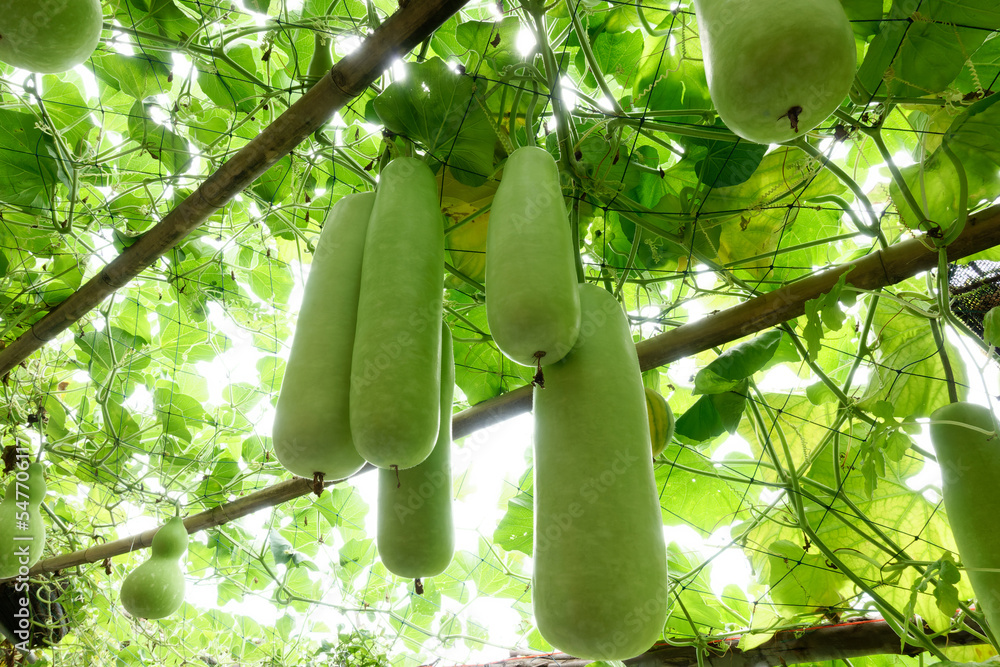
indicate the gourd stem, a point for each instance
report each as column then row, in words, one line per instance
column 795, row 499
column 871, row 229
column 555, row 87
column 924, row 223
column 584, row 39
column 963, row 194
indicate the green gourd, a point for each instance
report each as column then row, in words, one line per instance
column 661, row 420
column 321, row 62
column 970, row 467
column 312, row 431
column 600, row 570
column 416, row 537
column 49, row 37
column 532, row 302
column 776, row 68
column 21, row 519
column 155, row 589
column 396, row 368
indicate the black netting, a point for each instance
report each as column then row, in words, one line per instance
column 975, row 289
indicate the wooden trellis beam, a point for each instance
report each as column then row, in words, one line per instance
column 415, row 21
column 839, row 641
column 880, row 269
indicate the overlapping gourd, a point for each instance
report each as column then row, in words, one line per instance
column 21, row 523
column 966, row 439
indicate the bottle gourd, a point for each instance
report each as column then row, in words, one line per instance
column 155, row 589
column 970, row 467
column 600, row 569
column 776, row 68
column 312, row 431
column 532, row 302
column 49, row 37
column 21, row 522
column 396, row 368
column 416, row 536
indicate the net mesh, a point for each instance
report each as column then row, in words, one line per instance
column 162, row 395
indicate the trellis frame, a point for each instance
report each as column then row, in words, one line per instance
column 416, row 21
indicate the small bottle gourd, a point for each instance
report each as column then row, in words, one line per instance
column 600, row 569
column 396, row 367
column 532, row 302
column 155, row 589
column 21, row 520
column 312, row 430
column 776, row 68
column 416, row 536
column 969, row 459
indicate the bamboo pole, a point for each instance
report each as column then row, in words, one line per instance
column 840, row 641
column 880, row 269
column 221, row 514
column 414, row 22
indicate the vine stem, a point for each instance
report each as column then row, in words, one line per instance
column 871, row 229
column 588, row 54
column 795, row 499
column 555, row 86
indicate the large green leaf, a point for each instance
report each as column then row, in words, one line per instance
column 139, row 76
column 924, row 44
column 29, row 165
column 974, row 137
column 160, row 141
column 437, row 108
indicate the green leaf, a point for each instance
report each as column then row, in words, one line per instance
column 924, row 44
column 713, row 414
column 991, row 326
column 162, row 143
column 29, row 167
column 737, row 363
column 140, row 76
column 436, row 107
column 228, row 87
column 494, row 41
column 282, row 551
column 670, row 81
column 720, row 164
column 515, row 531
column 800, row 582
column 974, row 137
column 824, row 309
column 909, row 373
column 617, row 54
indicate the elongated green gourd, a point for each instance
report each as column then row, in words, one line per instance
column 155, row 589
column 396, row 371
column 970, row 470
column 600, row 570
column 22, row 530
column 312, row 431
column 776, row 68
column 416, row 537
column 532, row 302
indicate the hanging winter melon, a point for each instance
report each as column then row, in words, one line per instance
column 600, row 570
column 776, row 68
